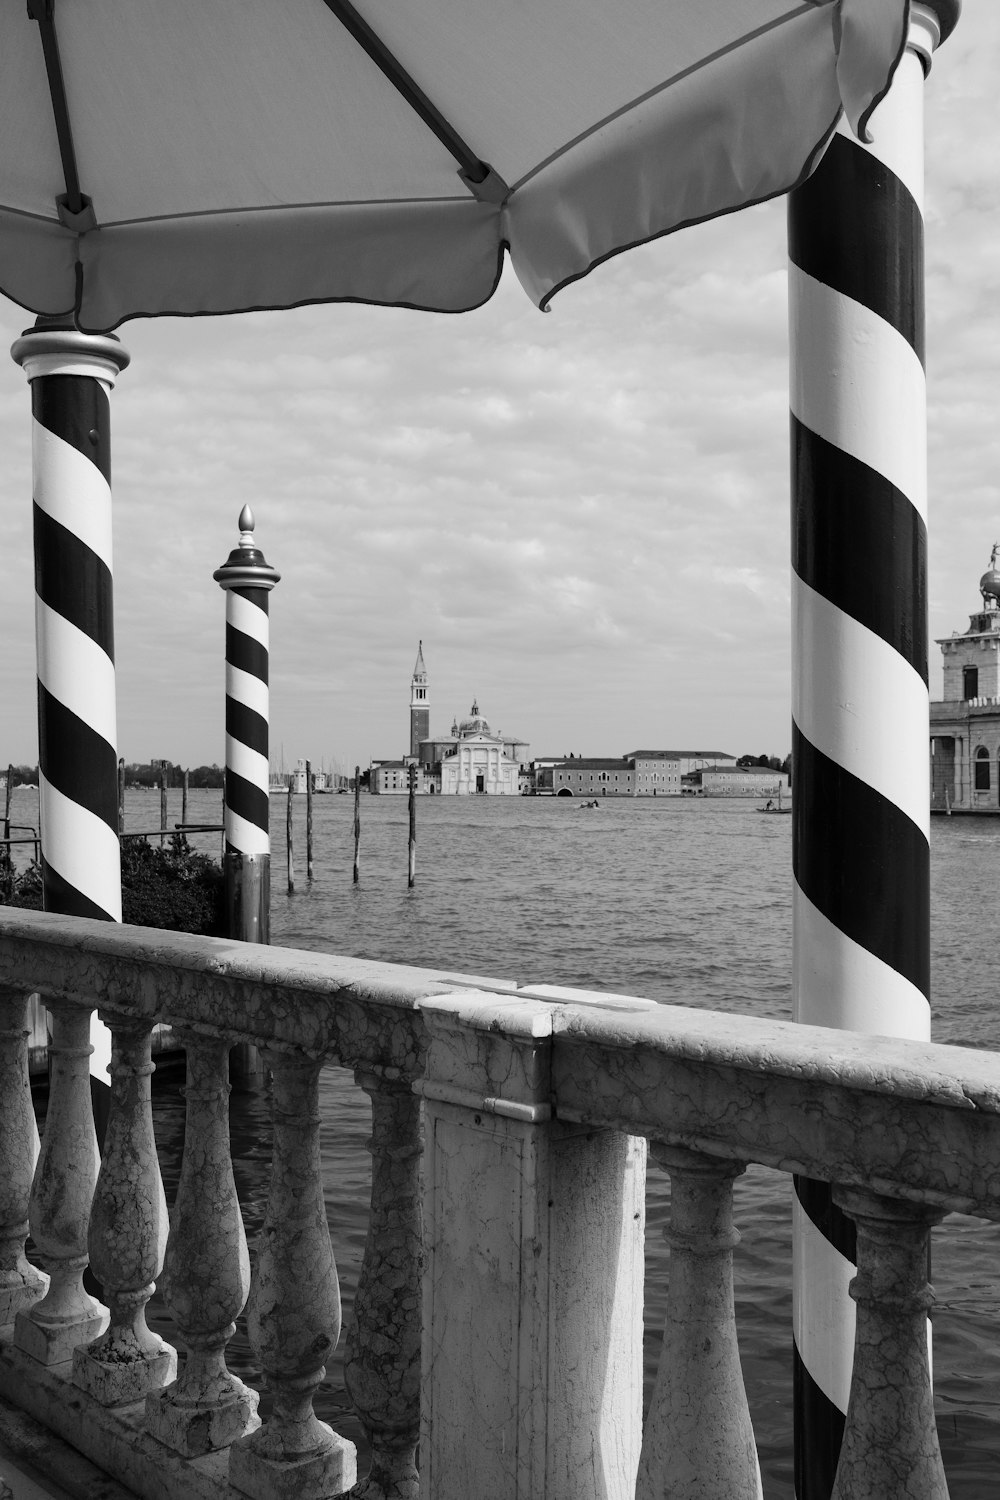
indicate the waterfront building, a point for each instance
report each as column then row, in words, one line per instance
column 392, row 778
column 638, row 773
column 742, row 781
column 965, row 722
column 661, row 773
column 300, row 781
column 542, row 774
column 592, row 776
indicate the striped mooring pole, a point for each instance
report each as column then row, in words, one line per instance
column 861, row 809
column 247, row 580
column 71, row 375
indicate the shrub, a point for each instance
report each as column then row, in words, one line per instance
column 173, row 888
column 21, row 890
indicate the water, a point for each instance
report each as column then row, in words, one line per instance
column 686, row 902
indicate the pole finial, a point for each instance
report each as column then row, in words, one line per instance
column 246, row 566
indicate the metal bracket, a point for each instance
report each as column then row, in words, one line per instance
column 80, row 219
column 488, row 189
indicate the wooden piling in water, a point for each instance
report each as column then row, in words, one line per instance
column 309, row 820
column 357, row 824
column 184, row 797
column 163, row 807
column 289, row 839
column 6, row 809
column 411, row 867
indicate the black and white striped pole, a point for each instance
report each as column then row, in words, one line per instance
column 247, row 580
column 71, row 376
column 860, row 714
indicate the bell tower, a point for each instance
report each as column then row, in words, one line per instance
column 420, row 713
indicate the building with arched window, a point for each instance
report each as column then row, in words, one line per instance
column 965, row 724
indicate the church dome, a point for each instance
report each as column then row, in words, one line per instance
column 989, row 584
column 475, row 724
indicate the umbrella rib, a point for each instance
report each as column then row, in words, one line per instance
column 75, row 208
column 483, row 179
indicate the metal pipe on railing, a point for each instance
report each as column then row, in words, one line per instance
column 24, row 828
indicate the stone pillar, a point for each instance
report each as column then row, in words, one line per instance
column 890, row 1440
column 21, row 1283
column 294, row 1311
column 861, row 810
column 206, row 1270
column 128, row 1233
column 61, row 1196
column 382, row 1363
column 699, row 1442
column 532, row 1344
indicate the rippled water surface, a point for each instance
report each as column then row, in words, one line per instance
column 682, row 901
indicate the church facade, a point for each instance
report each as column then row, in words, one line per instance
column 472, row 760
column 477, row 762
column 965, row 723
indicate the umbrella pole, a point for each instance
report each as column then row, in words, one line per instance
column 861, row 812
column 247, row 581
column 71, row 375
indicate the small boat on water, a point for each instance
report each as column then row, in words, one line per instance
column 581, row 805
column 774, row 807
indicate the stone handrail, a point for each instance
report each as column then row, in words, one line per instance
column 519, row 1253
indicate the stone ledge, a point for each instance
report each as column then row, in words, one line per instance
column 50, row 1462
column 111, row 1438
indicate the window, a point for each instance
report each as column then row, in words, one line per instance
column 982, row 769
column 970, row 683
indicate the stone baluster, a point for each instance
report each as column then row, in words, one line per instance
column 890, row 1446
column 206, row 1272
column 61, row 1196
column 294, row 1311
column 21, row 1284
column 128, row 1232
column 382, row 1365
column 698, row 1442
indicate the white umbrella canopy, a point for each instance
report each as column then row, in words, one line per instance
column 214, row 156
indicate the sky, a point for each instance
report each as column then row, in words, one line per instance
column 583, row 514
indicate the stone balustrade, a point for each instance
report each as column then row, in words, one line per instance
column 498, row 1319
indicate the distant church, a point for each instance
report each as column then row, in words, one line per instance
column 420, row 712
column 965, row 724
column 471, row 761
